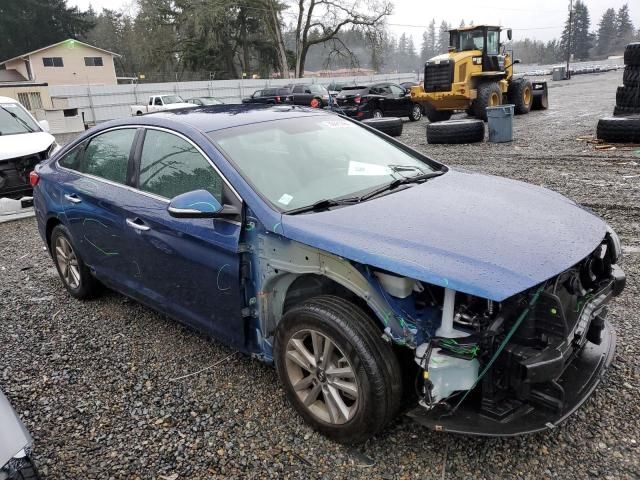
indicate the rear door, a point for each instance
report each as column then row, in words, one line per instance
column 189, row 267
column 95, row 177
column 402, row 101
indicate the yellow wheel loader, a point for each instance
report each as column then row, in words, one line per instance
column 476, row 73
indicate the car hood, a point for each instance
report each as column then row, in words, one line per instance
column 21, row 144
column 483, row 235
column 13, row 435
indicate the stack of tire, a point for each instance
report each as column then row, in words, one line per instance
column 624, row 126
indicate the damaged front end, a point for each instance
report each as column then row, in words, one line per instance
column 517, row 366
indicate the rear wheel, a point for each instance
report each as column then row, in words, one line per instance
column 75, row 275
column 436, row 115
column 489, row 95
column 337, row 372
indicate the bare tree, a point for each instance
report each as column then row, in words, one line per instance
column 319, row 21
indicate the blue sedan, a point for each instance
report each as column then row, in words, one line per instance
column 372, row 276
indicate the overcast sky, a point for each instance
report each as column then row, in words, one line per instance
column 541, row 19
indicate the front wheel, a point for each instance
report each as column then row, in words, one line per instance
column 489, row 95
column 377, row 113
column 416, row 113
column 337, row 372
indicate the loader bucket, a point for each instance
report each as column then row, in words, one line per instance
column 540, row 96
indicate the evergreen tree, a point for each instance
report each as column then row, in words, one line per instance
column 27, row 25
column 581, row 39
column 624, row 27
column 442, row 45
column 607, row 33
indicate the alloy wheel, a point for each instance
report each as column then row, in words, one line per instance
column 67, row 263
column 417, row 112
column 377, row 114
column 322, row 376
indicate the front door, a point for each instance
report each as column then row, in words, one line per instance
column 188, row 267
column 402, row 101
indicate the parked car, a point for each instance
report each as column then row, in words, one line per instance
column 205, row 101
column 314, row 95
column 268, row 95
column 377, row 100
column 158, row 103
column 408, row 85
column 15, row 446
column 363, row 269
column 23, row 143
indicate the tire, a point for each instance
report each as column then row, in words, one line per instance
column 456, row 131
column 377, row 113
column 521, row 95
column 87, row 285
column 390, row 125
column 28, row 471
column 632, row 54
column 631, row 77
column 489, row 95
column 624, row 111
column 434, row 115
column 416, row 112
column 628, row 97
column 138, row 112
column 362, row 352
column 619, row 129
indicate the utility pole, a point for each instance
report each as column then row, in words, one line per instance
column 570, row 35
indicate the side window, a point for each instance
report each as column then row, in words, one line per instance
column 170, row 166
column 297, row 89
column 72, row 159
column 257, row 94
column 158, row 101
column 396, row 90
column 307, row 90
column 107, row 155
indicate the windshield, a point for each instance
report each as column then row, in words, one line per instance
column 472, row 40
column 210, row 101
column 318, row 89
column 168, row 99
column 14, row 120
column 297, row 162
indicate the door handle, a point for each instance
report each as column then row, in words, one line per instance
column 133, row 223
column 72, row 197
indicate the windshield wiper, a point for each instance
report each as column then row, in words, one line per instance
column 398, row 182
column 24, row 124
column 323, row 204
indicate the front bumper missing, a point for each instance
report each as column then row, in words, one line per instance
column 578, row 381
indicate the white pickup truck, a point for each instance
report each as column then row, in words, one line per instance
column 160, row 102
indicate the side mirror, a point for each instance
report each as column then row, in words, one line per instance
column 517, row 60
column 509, row 34
column 44, row 124
column 195, row 204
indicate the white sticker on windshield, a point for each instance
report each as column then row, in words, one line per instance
column 361, row 168
column 9, row 105
column 338, row 124
column 285, row 199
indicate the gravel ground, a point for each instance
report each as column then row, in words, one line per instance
column 97, row 382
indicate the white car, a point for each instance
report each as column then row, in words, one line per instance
column 158, row 103
column 24, row 142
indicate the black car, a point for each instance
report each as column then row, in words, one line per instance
column 377, row 100
column 313, row 95
column 268, row 95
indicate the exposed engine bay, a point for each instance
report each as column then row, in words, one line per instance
column 505, row 360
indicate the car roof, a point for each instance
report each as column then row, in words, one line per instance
column 211, row 118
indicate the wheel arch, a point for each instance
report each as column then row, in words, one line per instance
column 292, row 273
column 52, row 222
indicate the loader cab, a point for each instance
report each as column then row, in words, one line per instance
column 483, row 38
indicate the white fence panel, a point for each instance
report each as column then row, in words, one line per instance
column 100, row 103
